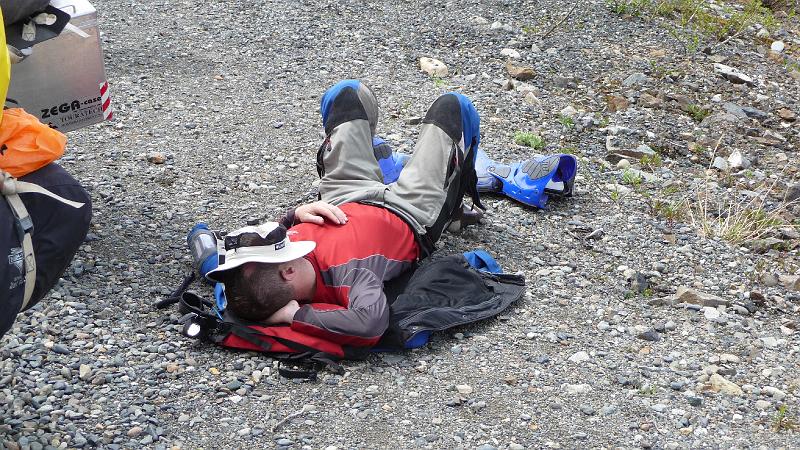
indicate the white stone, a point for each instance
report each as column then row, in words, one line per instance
column 769, row 342
column 531, row 99
column 577, row 389
column 510, row 53
column 711, row 313
column 737, row 161
column 774, row 392
column 720, row 384
column 623, row 164
column 762, row 404
column 479, row 20
column 579, row 357
column 433, row 67
column 777, row 46
column 464, row 389
column 569, row 111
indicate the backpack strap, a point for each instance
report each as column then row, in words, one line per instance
column 10, row 187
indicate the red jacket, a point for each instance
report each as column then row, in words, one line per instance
column 352, row 261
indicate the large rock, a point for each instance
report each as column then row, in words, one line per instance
column 791, row 282
column 433, row 67
column 718, row 383
column 689, row 295
column 733, row 75
column 649, row 101
column 737, row 161
column 617, row 103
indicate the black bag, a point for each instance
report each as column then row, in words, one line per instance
column 16, row 10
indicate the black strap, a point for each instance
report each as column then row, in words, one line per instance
column 309, row 373
column 176, row 295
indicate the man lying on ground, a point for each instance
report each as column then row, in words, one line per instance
column 324, row 276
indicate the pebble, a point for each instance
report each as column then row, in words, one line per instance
column 464, row 389
column 579, row 357
column 762, row 405
column 774, row 392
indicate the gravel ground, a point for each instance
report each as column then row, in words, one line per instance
column 600, row 353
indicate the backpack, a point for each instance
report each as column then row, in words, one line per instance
column 441, row 294
column 26, row 145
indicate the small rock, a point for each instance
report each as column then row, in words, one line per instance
column 579, row 357
column 694, row 401
column 720, row 164
column 623, row 164
column 464, row 389
column 520, row 72
column 787, row 114
column 85, row 371
column 135, row 432
column 791, row 282
column 777, row 46
column 510, row 53
column 634, row 79
column 719, row 384
column 648, row 101
column 283, row 442
column 711, row 313
column 761, row 405
column 774, row 392
column 577, row 389
column 156, row 158
column 617, row 103
column 433, row 67
column 737, row 161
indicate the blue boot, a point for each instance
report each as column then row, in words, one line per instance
column 530, row 182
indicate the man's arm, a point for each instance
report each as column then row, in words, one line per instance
column 360, row 325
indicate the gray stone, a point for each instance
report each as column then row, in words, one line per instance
column 635, row 79
column 689, row 295
column 732, row 74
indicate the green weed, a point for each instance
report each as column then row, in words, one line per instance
column 529, row 139
column 782, row 422
column 648, row 390
column 631, row 178
column 652, row 162
column 697, row 24
column 439, row 82
column 566, row 121
column 697, row 113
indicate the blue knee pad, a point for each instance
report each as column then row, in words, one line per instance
column 330, row 95
column 470, row 121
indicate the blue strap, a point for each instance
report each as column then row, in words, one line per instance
column 482, row 260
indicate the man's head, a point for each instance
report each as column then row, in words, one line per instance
column 263, row 270
column 256, row 291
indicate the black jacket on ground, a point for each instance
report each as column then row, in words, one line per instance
column 445, row 293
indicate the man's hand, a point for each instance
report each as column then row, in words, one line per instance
column 317, row 212
column 285, row 314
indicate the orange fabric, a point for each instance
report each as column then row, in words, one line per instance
column 26, row 144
